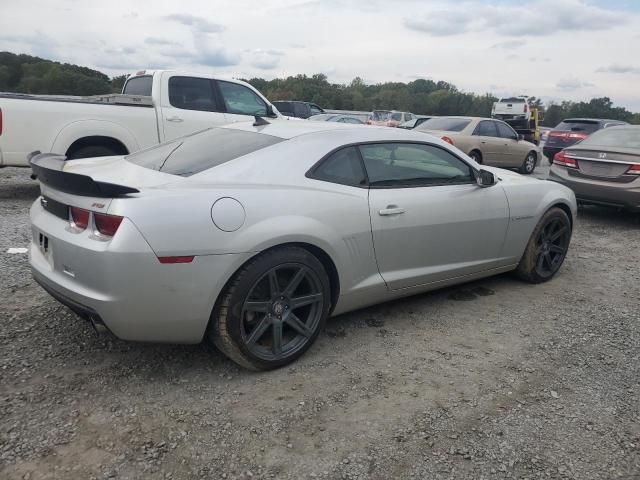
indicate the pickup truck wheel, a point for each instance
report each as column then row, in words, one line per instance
column 92, row 151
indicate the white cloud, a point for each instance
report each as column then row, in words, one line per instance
column 463, row 42
column 569, row 84
column 619, row 69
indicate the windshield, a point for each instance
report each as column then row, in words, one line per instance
column 623, row 137
column 588, row 126
column 449, row 124
column 200, row 151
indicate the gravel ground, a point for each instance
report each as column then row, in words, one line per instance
column 494, row 379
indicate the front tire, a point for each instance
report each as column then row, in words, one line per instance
column 529, row 164
column 547, row 247
column 272, row 310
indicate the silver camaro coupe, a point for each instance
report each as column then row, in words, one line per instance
column 253, row 234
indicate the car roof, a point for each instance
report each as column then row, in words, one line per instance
column 289, row 129
column 599, row 120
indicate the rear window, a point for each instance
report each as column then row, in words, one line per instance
column 622, row 137
column 512, row 100
column 201, row 151
column 380, row 115
column 578, row 126
column 446, row 124
column 139, row 86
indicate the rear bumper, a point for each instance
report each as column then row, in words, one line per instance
column 121, row 283
column 550, row 152
column 601, row 192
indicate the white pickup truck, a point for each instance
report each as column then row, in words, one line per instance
column 154, row 106
column 514, row 110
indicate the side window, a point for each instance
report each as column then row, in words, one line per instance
column 407, row 117
column 408, row 164
column 342, row 167
column 139, row 86
column 315, row 110
column 191, row 93
column 396, row 116
column 505, row 131
column 300, row 110
column 285, row 108
column 241, row 100
column 486, row 128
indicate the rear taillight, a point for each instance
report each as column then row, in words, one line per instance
column 107, row 224
column 561, row 159
column 79, row 217
column 578, row 136
column 634, row 170
column 447, row 139
column 526, row 108
column 0, row 121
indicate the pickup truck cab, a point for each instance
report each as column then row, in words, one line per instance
column 155, row 106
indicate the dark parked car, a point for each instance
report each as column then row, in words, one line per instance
column 297, row 109
column 573, row 130
column 604, row 168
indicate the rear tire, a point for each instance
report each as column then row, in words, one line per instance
column 529, row 164
column 547, row 247
column 272, row 310
column 476, row 156
column 91, row 151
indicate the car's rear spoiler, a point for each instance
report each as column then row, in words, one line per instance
column 48, row 169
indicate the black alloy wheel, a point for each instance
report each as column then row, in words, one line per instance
column 547, row 247
column 281, row 311
column 273, row 309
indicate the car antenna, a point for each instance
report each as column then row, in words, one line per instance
column 260, row 121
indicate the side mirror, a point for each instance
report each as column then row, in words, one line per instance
column 270, row 112
column 520, row 136
column 485, row 178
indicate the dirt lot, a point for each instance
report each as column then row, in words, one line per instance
column 495, row 379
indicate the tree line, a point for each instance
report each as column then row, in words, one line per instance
column 29, row 74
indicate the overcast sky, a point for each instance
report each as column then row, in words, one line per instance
column 573, row 49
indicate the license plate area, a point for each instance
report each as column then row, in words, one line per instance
column 44, row 244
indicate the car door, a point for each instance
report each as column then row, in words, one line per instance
column 188, row 104
column 513, row 150
column 240, row 103
column 430, row 220
column 490, row 143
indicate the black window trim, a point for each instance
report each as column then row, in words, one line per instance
column 311, row 172
column 223, row 105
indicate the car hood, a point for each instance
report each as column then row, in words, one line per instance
column 119, row 171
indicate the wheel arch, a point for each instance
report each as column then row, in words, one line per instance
column 476, row 149
column 102, row 130
column 97, row 140
column 327, row 262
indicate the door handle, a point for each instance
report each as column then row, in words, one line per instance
column 483, row 141
column 175, row 119
column 391, row 210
